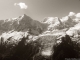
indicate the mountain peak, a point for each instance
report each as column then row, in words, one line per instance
column 24, row 15
column 66, row 18
column 51, row 20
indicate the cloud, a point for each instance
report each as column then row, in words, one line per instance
column 22, row 5
column 71, row 14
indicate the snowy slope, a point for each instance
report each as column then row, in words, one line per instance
column 47, row 31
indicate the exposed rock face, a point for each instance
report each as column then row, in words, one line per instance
column 23, row 38
column 22, row 23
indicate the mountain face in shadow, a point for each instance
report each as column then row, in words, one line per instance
column 67, row 49
column 22, row 23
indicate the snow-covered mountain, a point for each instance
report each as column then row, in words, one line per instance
column 46, row 32
column 68, row 24
column 49, row 25
column 22, row 23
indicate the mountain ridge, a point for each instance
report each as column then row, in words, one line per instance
column 21, row 23
column 24, row 22
column 46, row 33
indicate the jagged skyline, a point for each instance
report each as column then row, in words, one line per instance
column 38, row 9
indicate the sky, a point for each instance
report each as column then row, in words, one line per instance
column 38, row 9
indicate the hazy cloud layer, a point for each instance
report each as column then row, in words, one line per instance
column 21, row 5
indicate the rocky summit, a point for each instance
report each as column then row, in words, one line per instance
column 54, row 38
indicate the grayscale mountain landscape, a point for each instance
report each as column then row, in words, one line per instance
column 23, row 38
column 39, row 30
